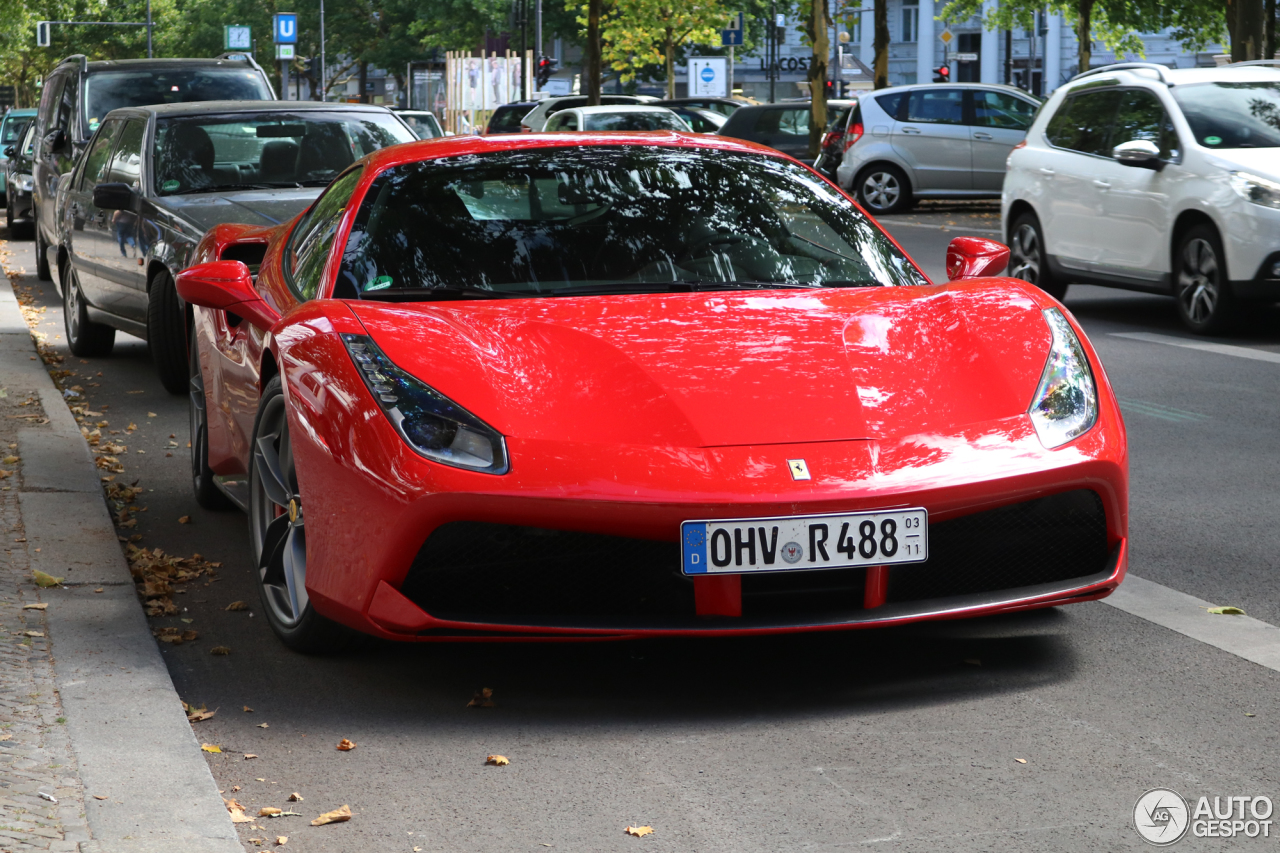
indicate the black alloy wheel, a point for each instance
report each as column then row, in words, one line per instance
column 883, row 189
column 1205, row 302
column 1027, row 258
column 43, row 272
column 84, row 337
column 167, row 334
column 208, row 495
column 278, row 534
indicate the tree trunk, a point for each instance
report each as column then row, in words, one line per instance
column 1269, row 34
column 1247, row 42
column 881, row 43
column 592, row 67
column 1233, row 10
column 364, row 78
column 669, row 51
column 819, row 38
column 1084, row 35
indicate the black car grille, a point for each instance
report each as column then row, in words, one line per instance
column 495, row 573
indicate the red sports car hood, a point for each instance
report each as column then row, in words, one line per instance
column 727, row 368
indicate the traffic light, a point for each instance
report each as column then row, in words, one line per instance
column 942, row 74
column 42, row 34
column 313, row 68
column 545, row 67
column 830, row 88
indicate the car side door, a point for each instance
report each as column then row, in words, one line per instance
column 46, row 163
column 130, row 234
column 999, row 121
column 85, row 226
column 931, row 136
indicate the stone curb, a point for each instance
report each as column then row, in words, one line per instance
column 131, row 740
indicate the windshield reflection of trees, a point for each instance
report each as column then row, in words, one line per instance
column 538, row 220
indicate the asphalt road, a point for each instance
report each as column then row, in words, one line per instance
column 902, row 739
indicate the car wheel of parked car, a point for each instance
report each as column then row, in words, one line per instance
column 1205, row 301
column 883, row 189
column 42, row 255
column 8, row 213
column 279, row 537
column 208, row 495
column 167, row 334
column 84, row 337
column 1027, row 258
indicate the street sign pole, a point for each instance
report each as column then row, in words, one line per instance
column 730, row 75
column 148, row 29
column 324, row 89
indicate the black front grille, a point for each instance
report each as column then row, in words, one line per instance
column 1051, row 539
column 475, row 571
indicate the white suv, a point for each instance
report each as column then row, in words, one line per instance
column 1149, row 178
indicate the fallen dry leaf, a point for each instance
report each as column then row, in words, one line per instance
column 99, row 796
column 237, row 605
column 483, row 699
column 210, row 747
column 33, row 633
column 151, row 414
column 238, row 816
column 338, row 815
column 269, row 811
column 186, row 519
column 232, row 804
column 46, row 580
column 262, row 725
column 345, row 745
column 1020, row 760
column 255, row 840
column 295, row 797
column 249, row 755
column 220, row 650
column 9, row 460
column 639, row 831
column 1226, row 611
column 497, row 760
column 248, row 710
column 197, row 715
column 5, row 736
column 282, row 839
column 41, row 606
column 235, row 788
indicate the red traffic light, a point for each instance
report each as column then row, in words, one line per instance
column 942, row 74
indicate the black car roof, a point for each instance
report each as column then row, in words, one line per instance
column 143, row 64
column 210, row 107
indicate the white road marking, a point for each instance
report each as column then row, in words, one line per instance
column 1242, row 636
column 1206, row 346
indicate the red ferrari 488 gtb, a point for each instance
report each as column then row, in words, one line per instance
column 608, row 385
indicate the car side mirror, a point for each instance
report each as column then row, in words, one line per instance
column 226, row 286
column 113, row 197
column 1142, row 153
column 10, row 152
column 975, row 257
column 56, row 140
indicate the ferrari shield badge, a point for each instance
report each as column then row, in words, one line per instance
column 799, row 469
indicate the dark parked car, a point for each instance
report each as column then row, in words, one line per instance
column 724, row 106
column 423, row 123
column 17, row 177
column 154, row 179
column 12, row 126
column 78, row 93
column 781, row 126
column 506, row 118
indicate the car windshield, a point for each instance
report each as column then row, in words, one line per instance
column 13, row 129
column 109, row 90
column 424, row 125
column 583, row 219
column 665, row 120
column 1232, row 115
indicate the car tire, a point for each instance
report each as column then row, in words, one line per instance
column 8, row 214
column 208, row 495
column 277, row 535
column 85, row 338
column 883, row 189
column 43, row 272
column 1200, row 282
column 167, row 334
column 1028, row 260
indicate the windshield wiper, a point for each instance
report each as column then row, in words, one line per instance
column 682, row 286
column 428, row 294
column 225, row 187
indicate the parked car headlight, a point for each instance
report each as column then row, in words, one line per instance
column 429, row 422
column 1066, row 402
column 1255, row 189
column 24, row 183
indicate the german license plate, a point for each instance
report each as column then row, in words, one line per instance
column 800, row 543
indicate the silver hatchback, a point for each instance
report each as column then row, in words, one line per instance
column 948, row 140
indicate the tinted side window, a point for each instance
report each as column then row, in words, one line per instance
column 312, row 239
column 891, row 104
column 49, row 100
column 1085, row 125
column 1142, row 116
column 94, row 170
column 126, row 164
column 936, row 106
column 65, row 117
column 998, row 109
column 785, row 122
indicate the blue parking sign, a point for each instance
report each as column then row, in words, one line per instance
column 285, row 28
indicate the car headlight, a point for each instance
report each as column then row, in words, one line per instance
column 1066, row 401
column 429, row 422
column 24, row 183
column 1255, row 189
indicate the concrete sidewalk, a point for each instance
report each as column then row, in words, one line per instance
column 135, row 769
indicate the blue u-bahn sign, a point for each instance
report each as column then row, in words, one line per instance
column 285, row 28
